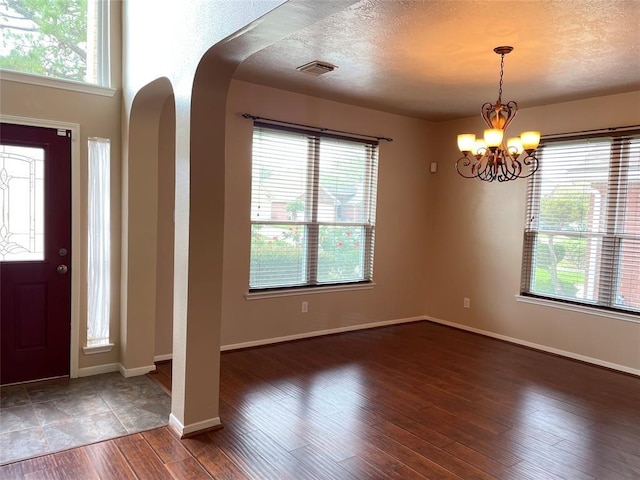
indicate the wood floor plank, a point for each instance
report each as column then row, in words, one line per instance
column 277, row 456
column 213, row 460
column 320, row 464
column 484, row 462
column 166, row 445
column 141, row 457
column 362, row 470
column 627, row 465
column 31, row 466
column 47, row 474
column 187, row 469
column 412, row 459
column 374, row 462
column 12, row 471
column 560, row 462
column 441, row 457
column 245, row 457
column 70, row 464
column 108, row 461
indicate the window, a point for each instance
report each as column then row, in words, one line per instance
column 21, row 203
column 312, row 208
column 65, row 39
column 99, row 243
column 582, row 241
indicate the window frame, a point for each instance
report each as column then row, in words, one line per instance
column 313, row 225
column 608, row 260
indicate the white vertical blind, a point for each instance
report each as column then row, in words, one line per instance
column 582, row 241
column 99, row 243
column 312, row 208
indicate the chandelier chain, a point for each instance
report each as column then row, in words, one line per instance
column 501, row 74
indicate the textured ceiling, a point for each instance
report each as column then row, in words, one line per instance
column 435, row 59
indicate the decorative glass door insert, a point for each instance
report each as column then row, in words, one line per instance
column 21, row 203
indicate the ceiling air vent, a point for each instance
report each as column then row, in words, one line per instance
column 316, row 68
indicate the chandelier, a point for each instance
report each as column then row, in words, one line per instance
column 489, row 159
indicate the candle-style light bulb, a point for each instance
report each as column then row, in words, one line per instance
column 530, row 140
column 493, row 137
column 466, row 142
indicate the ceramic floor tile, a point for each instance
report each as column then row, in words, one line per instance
column 17, row 418
column 82, row 405
column 115, row 381
column 144, row 415
column 48, row 413
column 132, row 395
column 22, row 444
column 83, row 431
column 56, row 389
column 14, row 396
column 145, row 421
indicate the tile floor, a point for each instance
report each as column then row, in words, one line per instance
column 54, row 415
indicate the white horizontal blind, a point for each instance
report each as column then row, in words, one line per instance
column 312, row 208
column 582, row 240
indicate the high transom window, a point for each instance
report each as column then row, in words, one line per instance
column 312, row 208
column 65, row 39
column 582, row 240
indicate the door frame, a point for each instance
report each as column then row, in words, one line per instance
column 76, row 237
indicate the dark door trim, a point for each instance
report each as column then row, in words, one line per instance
column 78, row 247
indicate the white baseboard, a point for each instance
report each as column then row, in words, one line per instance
column 163, row 358
column 134, row 372
column 319, row 333
column 537, row 346
column 194, row 428
column 98, row 369
column 114, row 367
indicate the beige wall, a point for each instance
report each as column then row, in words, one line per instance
column 402, row 227
column 166, row 198
column 98, row 116
column 478, row 233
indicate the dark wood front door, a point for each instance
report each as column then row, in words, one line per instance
column 35, row 252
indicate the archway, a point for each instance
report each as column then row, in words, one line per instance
column 140, row 225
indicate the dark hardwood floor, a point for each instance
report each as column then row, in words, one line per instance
column 406, row 402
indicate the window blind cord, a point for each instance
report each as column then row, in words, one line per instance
column 312, row 128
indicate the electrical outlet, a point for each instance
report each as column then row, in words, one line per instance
column 305, row 307
column 467, row 303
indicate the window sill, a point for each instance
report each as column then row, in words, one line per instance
column 94, row 349
column 627, row 317
column 308, row 291
column 59, row 83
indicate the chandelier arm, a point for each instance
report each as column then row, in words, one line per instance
column 491, row 173
column 485, row 113
column 532, row 162
column 514, row 171
column 515, row 167
column 488, row 172
column 463, row 164
column 503, row 173
column 511, row 108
